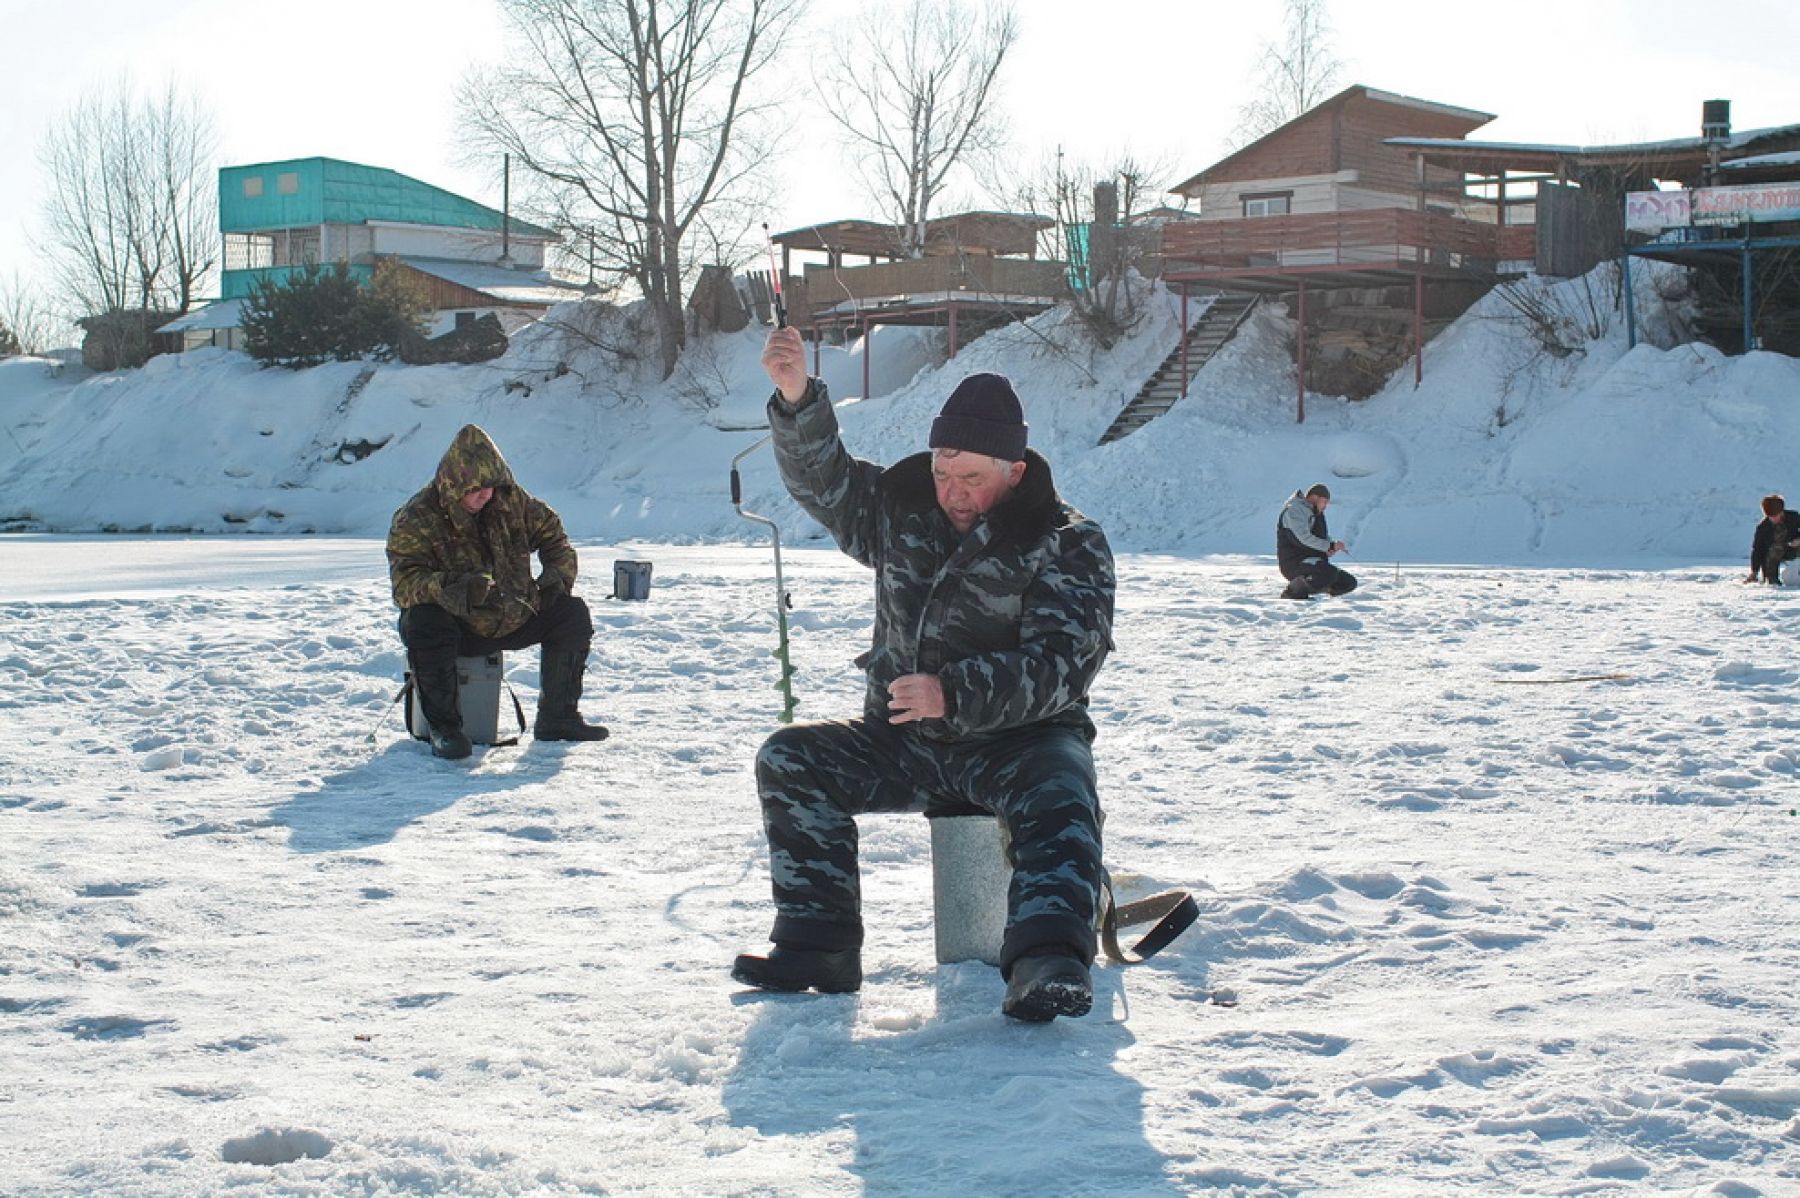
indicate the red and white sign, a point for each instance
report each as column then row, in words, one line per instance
column 1757, row 203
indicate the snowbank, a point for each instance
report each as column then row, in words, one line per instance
column 1503, row 454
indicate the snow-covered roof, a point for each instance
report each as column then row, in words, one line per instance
column 1638, row 149
column 502, row 283
column 221, row 314
column 1762, row 161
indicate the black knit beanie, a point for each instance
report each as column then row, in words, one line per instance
column 982, row 416
column 1319, row 489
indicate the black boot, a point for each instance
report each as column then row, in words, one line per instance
column 1297, row 589
column 1046, row 984
column 559, row 698
column 440, row 699
column 794, row 969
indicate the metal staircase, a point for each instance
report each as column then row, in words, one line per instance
column 1203, row 340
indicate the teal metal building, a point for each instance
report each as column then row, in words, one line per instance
column 278, row 217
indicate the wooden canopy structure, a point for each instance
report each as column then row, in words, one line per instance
column 979, row 269
column 989, row 234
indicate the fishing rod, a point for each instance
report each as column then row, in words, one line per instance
column 775, row 279
column 783, row 601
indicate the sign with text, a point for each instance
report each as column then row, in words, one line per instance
column 1756, row 203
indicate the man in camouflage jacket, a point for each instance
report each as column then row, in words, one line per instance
column 993, row 613
column 459, row 560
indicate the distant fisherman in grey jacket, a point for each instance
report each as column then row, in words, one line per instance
column 993, row 612
column 1304, row 548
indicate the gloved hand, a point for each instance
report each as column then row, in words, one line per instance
column 551, row 586
column 478, row 590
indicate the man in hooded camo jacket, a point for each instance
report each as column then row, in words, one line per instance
column 993, row 613
column 459, row 559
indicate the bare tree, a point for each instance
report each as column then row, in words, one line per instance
column 1094, row 208
column 132, row 210
column 634, row 120
column 913, row 90
column 23, row 313
column 1294, row 74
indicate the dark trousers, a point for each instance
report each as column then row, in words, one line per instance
column 1320, row 577
column 814, row 779
column 433, row 636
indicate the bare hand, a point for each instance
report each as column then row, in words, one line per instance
column 1337, row 547
column 784, row 357
column 915, row 697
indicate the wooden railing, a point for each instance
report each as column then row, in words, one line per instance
column 1376, row 237
column 981, row 277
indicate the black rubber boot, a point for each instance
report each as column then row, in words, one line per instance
column 1047, row 984
column 440, row 698
column 794, row 969
column 559, row 698
column 1297, row 589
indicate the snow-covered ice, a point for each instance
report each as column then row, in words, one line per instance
column 1490, row 931
column 1496, row 854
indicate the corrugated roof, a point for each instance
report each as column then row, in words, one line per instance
column 504, row 284
column 1675, row 157
column 1473, row 118
column 221, row 314
column 997, row 232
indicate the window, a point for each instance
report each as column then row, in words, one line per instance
column 464, row 319
column 1267, row 204
column 287, row 183
column 249, row 251
column 253, row 186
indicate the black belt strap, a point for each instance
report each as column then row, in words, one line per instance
column 1174, row 912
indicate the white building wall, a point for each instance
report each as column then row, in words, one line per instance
column 1311, row 193
column 462, row 245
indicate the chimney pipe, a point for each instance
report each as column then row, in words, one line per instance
column 506, row 209
column 1715, row 120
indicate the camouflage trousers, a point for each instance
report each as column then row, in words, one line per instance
column 815, row 779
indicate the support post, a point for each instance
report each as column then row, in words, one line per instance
column 952, row 307
column 1184, row 338
column 1300, row 360
column 1749, row 322
column 1630, row 300
column 866, row 348
column 1418, row 327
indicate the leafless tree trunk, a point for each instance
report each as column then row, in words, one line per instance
column 635, row 121
column 133, row 202
column 1294, row 75
column 22, row 311
column 913, row 88
column 1093, row 209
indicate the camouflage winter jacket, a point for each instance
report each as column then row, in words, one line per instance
column 434, row 546
column 1014, row 617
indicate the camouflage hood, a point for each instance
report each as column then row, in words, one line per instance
column 435, row 547
column 472, row 461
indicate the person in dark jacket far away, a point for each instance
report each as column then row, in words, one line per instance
column 459, row 559
column 1304, row 548
column 993, row 612
column 1777, row 540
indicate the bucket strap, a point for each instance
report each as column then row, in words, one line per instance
column 1173, row 911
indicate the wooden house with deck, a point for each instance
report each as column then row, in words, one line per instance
column 1374, row 245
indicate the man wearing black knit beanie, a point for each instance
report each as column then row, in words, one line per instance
column 993, row 613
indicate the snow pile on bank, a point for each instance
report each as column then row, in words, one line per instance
column 1504, row 453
